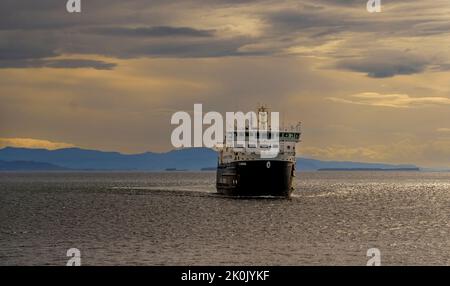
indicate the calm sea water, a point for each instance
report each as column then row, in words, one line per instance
column 177, row 219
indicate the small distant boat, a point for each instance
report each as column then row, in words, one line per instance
column 209, row 169
column 175, row 170
column 243, row 172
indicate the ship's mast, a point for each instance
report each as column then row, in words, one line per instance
column 263, row 118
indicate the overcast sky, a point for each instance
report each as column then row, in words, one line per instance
column 367, row 86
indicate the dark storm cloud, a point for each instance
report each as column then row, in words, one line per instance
column 55, row 63
column 38, row 30
column 329, row 21
column 10, row 50
column 384, row 64
column 159, row 31
column 79, row 63
column 31, row 14
column 289, row 20
column 193, row 49
column 52, row 14
column 31, row 31
column 345, row 3
column 170, row 47
column 26, row 49
column 354, row 4
column 340, row 20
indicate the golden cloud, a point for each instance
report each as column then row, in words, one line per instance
column 32, row 143
column 427, row 153
column 443, row 130
column 391, row 100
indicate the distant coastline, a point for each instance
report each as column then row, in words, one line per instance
column 189, row 159
column 372, row 169
column 175, row 170
column 209, row 169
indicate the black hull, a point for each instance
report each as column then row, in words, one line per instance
column 256, row 178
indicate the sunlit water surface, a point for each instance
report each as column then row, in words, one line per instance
column 175, row 218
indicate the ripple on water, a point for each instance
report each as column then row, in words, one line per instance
column 178, row 219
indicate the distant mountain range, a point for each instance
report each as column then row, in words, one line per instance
column 185, row 159
column 81, row 159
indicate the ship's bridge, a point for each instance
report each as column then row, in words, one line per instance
column 249, row 145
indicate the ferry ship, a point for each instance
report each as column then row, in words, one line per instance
column 244, row 171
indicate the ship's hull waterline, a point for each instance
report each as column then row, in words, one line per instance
column 258, row 178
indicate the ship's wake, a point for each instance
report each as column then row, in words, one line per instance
column 175, row 191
